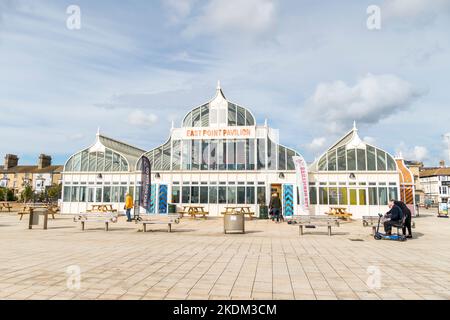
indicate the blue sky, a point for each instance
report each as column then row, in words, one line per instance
column 310, row 68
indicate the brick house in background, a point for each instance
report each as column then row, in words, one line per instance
column 40, row 176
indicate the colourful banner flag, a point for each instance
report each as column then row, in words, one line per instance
column 144, row 199
column 301, row 169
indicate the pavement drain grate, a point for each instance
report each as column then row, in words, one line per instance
column 356, row 239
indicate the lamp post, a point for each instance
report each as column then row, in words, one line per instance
column 447, row 137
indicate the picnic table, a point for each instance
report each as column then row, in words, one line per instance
column 193, row 211
column 339, row 212
column 239, row 209
column 5, row 205
column 102, row 208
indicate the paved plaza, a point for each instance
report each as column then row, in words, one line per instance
column 197, row 261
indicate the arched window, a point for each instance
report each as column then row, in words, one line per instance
column 108, row 161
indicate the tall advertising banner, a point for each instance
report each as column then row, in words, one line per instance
column 144, row 196
column 302, row 183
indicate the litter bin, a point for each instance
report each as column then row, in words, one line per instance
column 172, row 208
column 263, row 212
column 34, row 218
column 233, row 222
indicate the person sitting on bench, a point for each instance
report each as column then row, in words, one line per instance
column 393, row 217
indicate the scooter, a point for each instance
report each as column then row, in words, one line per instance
column 382, row 236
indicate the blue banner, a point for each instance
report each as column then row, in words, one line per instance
column 146, row 183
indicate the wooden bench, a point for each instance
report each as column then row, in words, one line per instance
column 372, row 221
column 172, row 219
column 106, row 218
column 311, row 222
column 5, row 205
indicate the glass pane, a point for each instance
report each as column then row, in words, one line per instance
column 196, row 118
column 77, row 162
column 222, row 194
column 231, row 156
column 91, row 195
column 271, row 155
column 195, row 162
column 241, row 195
column 361, row 154
column 186, row 194
column 353, row 197
column 188, row 120
column 332, row 164
column 371, row 161
column 123, row 164
column 261, row 195
column 281, row 158
column 333, row 196
column 290, row 161
column 122, row 194
column 69, row 165
column 67, row 194
column 222, row 155
column 312, row 195
column 83, row 195
column 342, row 163
column 261, row 154
column 114, row 194
column 231, row 195
column 116, row 162
column 383, row 196
column 176, row 194
column 240, row 154
column 241, row 116
column 249, row 119
column 250, row 195
column 373, row 196
column 343, row 200
column 195, row 192
column 323, row 165
column 98, row 195
column 393, row 193
column 176, row 157
column 351, row 160
column 323, row 195
column 186, row 145
column 250, row 154
column 84, row 161
column 205, row 115
column 205, row 154
column 93, row 161
column 157, row 158
column 391, row 163
column 75, row 193
column 204, row 194
column 362, row 197
column 213, row 155
column 165, row 164
column 212, row 194
column 381, row 160
column 231, row 114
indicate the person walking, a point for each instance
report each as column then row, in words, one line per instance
column 408, row 215
column 128, row 206
column 275, row 207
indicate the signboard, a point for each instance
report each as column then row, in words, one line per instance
column 443, row 209
column 219, row 133
column 302, row 183
column 146, row 183
column 446, row 183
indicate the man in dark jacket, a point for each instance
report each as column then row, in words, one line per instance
column 394, row 216
column 275, row 206
column 407, row 213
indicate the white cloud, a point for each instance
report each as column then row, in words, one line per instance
column 179, row 9
column 317, row 144
column 414, row 8
column 370, row 140
column 417, row 153
column 140, row 118
column 370, row 100
column 233, row 16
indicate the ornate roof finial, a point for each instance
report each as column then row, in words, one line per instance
column 218, row 85
column 98, row 131
column 354, row 126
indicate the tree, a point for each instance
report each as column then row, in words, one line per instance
column 54, row 192
column 27, row 193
